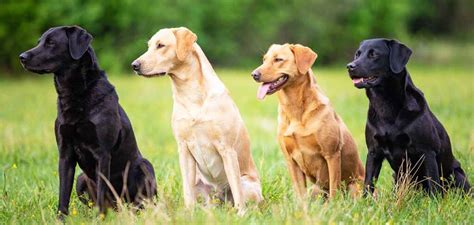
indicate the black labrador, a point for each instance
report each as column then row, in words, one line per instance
column 400, row 125
column 91, row 128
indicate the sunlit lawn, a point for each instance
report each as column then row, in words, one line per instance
column 28, row 153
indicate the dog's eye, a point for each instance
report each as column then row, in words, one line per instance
column 278, row 59
column 158, row 46
column 371, row 54
column 50, row 43
column 357, row 54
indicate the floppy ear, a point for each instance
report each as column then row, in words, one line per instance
column 399, row 55
column 304, row 57
column 184, row 42
column 79, row 41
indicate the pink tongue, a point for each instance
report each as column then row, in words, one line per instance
column 357, row 80
column 262, row 91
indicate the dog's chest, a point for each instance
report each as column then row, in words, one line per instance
column 208, row 160
column 299, row 137
column 82, row 135
column 198, row 136
column 394, row 145
column 303, row 148
column 82, row 139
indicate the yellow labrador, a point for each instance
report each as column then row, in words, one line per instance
column 207, row 125
column 315, row 141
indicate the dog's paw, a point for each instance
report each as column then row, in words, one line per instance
column 241, row 212
column 61, row 216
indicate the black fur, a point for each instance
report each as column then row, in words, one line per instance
column 400, row 126
column 91, row 128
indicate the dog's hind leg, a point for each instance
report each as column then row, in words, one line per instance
column 86, row 190
column 251, row 189
column 317, row 191
column 460, row 179
column 149, row 179
column 432, row 184
column 355, row 189
column 203, row 190
column 141, row 183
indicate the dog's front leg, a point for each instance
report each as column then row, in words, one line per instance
column 103, row 176
column 188, row 173
column 67, row 165
column 334, row 168
column 298, row 179
column 232, row 171
column 432, row 183
column 372, row 171
column 66, row 169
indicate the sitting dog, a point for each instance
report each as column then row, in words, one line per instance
column 91, row 128
column 400, row 125
column 206, row 123
column 315, row 141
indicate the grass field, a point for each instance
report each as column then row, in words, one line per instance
column 28, row 154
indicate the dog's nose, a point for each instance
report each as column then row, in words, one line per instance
column 256, row 75
column 136, row 65
column 351, row 66
column 24, row 57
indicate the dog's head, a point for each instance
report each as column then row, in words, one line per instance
column 282, row 66
column 57, row 47
column 375, row 60
column 166, row 49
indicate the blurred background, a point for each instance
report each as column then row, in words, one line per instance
column 234, row 34
column 237, row 33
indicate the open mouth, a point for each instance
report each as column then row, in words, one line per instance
column 362, row 80
column 269, row 88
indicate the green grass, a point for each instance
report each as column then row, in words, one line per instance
column 28, row 153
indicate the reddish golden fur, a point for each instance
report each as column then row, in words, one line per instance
column 315, row 141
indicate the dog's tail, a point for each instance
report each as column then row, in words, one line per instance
column 460, row 179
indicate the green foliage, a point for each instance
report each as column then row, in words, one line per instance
column 28, row 154
column 232, row 33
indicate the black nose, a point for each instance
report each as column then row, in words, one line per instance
column 24, row 57
column 351, row 66
column 256, row 75
column 136, row 66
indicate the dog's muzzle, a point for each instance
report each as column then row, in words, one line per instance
column 136, row 66
column 24, row 57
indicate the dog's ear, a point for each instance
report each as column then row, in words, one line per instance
column 304, row 57
column 184, row 42
column 399, row 55
column 79, row 41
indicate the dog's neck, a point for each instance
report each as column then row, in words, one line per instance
column 388, row 98
column 302, row 96
column 78, row 76
column 81, row 84
column 194, row 80
column 187, row 81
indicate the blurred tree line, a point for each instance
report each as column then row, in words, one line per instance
column 232, row 33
